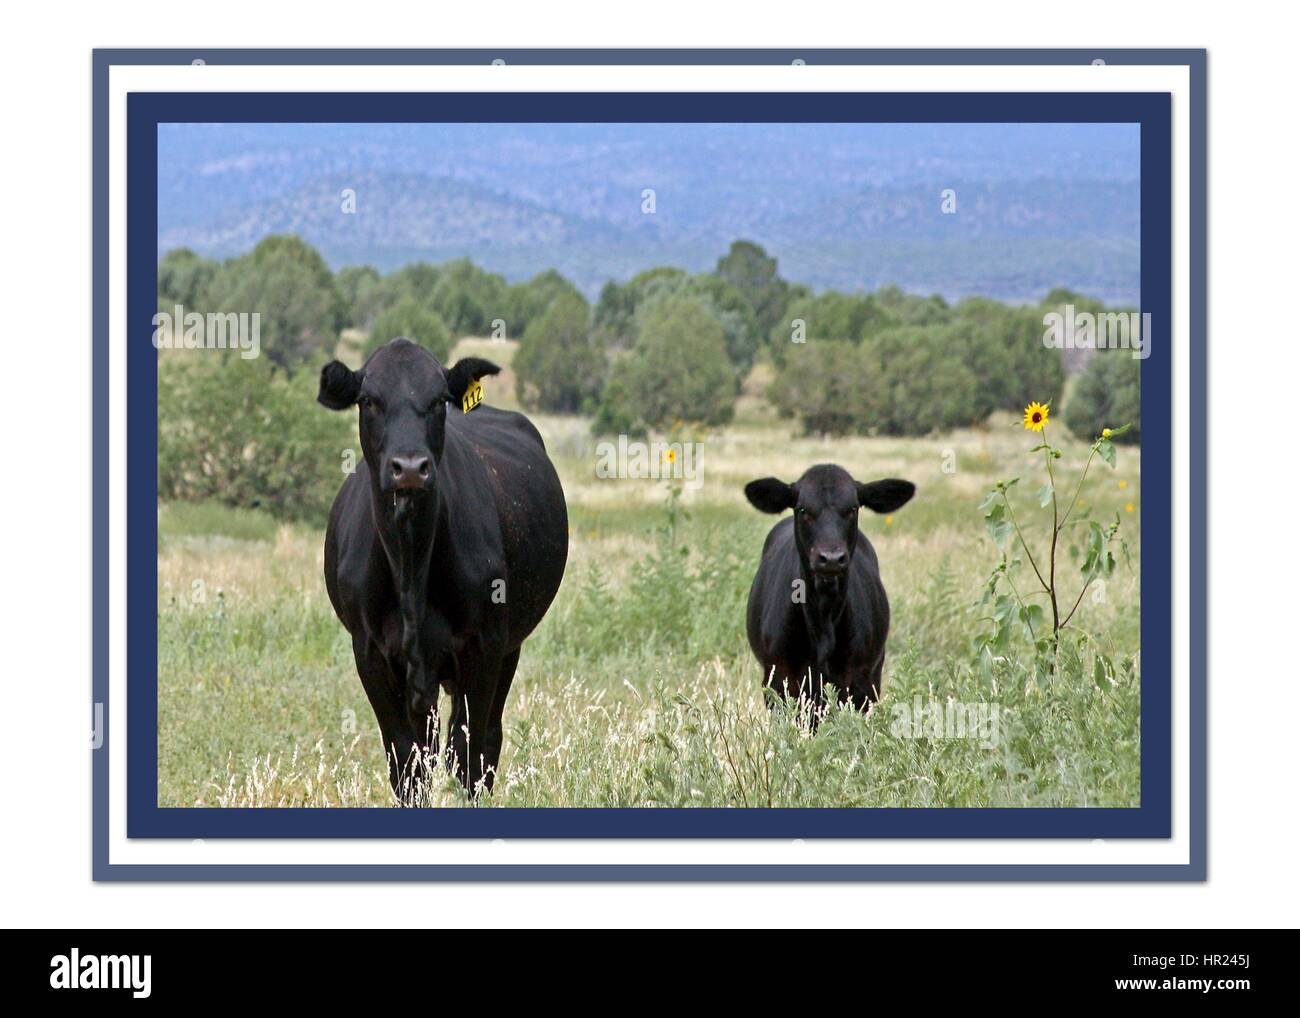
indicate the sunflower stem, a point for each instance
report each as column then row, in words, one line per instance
column 1050, row 454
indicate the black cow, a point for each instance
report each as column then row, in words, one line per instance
column 817, row 609
column 444, row 550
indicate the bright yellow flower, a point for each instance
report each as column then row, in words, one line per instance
column 1105, row 432
column 1128, row 508
column 1035, row 416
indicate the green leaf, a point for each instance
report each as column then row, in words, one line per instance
column 998, row 526
column 1106, row 450
column 1045, row 494
column 1033, row 619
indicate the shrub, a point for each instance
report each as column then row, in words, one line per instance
column 822, row 385
column 619, row 311
column 414, row 321
column 242, row 433
column 559, row 366
column 527, row 302
column 468, row 298
column 677, row 371
column 182, row 278
column 1007, row 355
column 905, row 381
column 361, row 292
column 1107, row 395
column 287, row 284
column 919, row 380
column 830, row 315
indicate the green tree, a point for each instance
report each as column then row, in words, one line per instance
column 361, row 291
column 414, row 321
column 747, row 267
column 298, row 307
column 910, row 309
column 469, row 298
column 823, row 386
column 918, row 380
column 830, row 315
column 1010, row 363
column 559, row 366
column 182, row 278
column 1107, row 395
column 909, row 380
column 677, row 371
column 281, row 248
column 526, row 302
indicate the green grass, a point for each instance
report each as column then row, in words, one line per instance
column 639, row 689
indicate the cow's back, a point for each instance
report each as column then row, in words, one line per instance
column 507, row 472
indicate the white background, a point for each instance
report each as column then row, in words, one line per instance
column 985, row 851
column 44, row 608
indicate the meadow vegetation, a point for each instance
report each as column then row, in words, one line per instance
column 639, row 688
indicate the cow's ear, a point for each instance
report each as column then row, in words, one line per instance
column 770, row 495
column 467, row 370
column 339, row 386
column 887, row 495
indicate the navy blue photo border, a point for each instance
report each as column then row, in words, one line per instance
column 1151, row 820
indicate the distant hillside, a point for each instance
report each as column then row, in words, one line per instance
column 840, row 205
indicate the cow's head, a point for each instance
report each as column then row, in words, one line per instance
column 403, row 393
column 825, row 501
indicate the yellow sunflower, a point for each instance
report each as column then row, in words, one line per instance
column 1035, row 416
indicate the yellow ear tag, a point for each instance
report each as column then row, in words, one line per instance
column 473, row 396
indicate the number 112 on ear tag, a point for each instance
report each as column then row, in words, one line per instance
column 473, row 396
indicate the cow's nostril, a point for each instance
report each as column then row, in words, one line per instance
column 424, row 468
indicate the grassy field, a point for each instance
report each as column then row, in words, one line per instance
column 639, row 688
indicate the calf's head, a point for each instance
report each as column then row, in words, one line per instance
column 825, row 501
column 402, row 392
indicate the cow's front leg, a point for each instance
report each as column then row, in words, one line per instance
column 474, row 736
column 864, row 689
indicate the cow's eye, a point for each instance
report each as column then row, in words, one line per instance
column 846, row 513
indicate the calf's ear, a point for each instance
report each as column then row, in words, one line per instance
column 887, row 495
column 770, row 495
column 467, row 370
column 339, row 386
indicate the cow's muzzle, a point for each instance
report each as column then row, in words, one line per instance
column 409, row 473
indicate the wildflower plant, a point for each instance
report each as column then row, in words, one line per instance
column 1039, row 607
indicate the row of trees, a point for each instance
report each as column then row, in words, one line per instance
column 669, row 345
column 305, row 307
